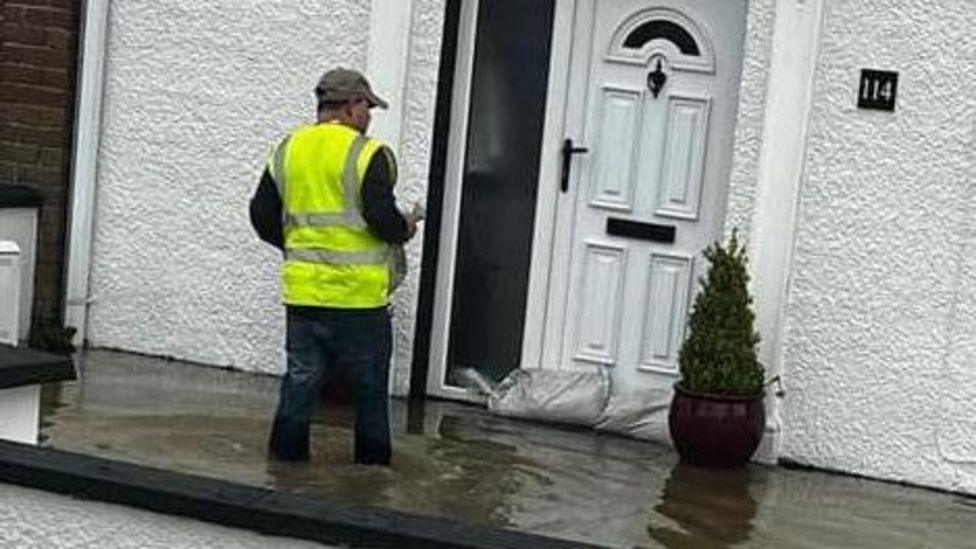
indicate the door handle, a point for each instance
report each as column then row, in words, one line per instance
column 568, row 150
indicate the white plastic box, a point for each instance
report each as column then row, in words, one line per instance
column 10, row 292
column 19, row 225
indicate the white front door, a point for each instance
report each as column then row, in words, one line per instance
column 649, row 89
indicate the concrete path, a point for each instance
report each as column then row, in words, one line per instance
column 457, row 461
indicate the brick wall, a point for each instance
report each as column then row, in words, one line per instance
column 38, row 51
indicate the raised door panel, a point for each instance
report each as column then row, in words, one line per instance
column 598, row 303
column 616, row 147
column 683, row 163
column 664, row 311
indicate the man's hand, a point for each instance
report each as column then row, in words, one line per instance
column 415, row 216
column 417, row 213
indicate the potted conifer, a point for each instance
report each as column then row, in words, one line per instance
column 717, row 416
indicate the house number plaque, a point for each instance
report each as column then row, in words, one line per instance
column 877, row 90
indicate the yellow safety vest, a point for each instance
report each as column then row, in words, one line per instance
column 331, row 257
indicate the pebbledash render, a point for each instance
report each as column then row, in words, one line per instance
column 859, row 222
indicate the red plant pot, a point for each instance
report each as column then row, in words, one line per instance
column 714, row 430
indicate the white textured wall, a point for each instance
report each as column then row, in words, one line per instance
column 195, row 94
column 417, row 134
column 956, row 434
column 749, row 119
column 35, row 519
column 880, row 342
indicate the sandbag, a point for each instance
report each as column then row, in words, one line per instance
column 641, row 415
column 576, row 397
column 564, row 396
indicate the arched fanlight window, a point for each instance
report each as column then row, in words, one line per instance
column 662, row 32
column 661, row 29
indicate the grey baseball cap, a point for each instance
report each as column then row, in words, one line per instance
column 342, row 84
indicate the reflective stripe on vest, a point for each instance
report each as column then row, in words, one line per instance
column 325, row 220
column 310, row 255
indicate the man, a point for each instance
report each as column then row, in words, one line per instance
column 326, row 200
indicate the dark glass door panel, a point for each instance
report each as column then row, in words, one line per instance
column 508, row 95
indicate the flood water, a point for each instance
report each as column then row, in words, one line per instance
column 458, row 461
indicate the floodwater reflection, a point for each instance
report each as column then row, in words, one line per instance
column 448, row 467
column 708, row 509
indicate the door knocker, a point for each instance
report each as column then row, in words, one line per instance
column 656, row 79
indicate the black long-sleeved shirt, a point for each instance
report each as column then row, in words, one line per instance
column 376, row 192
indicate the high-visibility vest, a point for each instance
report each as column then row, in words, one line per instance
column 331, row 257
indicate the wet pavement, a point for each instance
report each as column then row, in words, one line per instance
column 458, row 461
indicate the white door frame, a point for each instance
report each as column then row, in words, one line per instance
column 789, row 99
column 546, row 204
column 553, row 206
column 451, row 212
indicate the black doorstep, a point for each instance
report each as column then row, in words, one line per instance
column 20, row 367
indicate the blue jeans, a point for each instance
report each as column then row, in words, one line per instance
column 353, row 344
